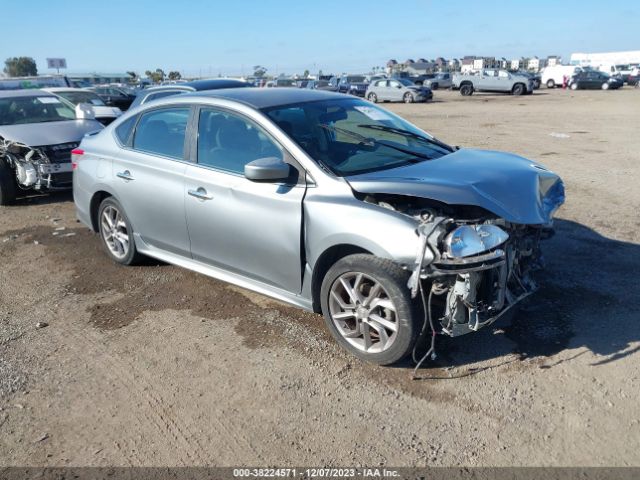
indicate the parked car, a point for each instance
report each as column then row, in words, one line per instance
column 554, row 76
column 536, row 78
column 319, row 85
column 114, row 96
column 154, row 93
column 622, row 71
column 75, row 96
column 594, row 79
column 397, row 90
column 281, row 83
column 326, row 202
column 38, row 131
column 490, row 80
column 440, row 80
column 353, row 85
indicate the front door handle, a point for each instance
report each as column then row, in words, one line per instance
column 126, row 175
column 200, row 194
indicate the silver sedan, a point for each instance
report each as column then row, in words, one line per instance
column 323, row 201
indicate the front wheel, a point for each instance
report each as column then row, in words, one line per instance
column 368, row 308
column 408, row 98
column 518, row 89
column 434, row 86
column 574, row 86
column 466, row 90
column 116, row 232
column 605, row 86
column 373, row 98
column 551, row 83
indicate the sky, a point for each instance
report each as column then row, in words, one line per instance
column 209, row 38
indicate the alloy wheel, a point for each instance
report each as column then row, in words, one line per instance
column 114, row 232
column 363, row 312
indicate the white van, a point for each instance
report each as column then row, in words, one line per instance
column 553, row 76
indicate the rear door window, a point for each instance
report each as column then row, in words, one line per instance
column 162, row 132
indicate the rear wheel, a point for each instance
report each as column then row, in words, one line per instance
column 372, row 97
column 116, row 232
column 434, row 86
column 466, row 89
column 368, row 308
column 518, row 89
column 7, row 184
column 551, row 83
column 408, row 98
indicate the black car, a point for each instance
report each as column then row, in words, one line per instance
column 353, row 84
column 592, row 79
column 535, row 78
column 161, row 91
column 319, row 85
column 114, row 96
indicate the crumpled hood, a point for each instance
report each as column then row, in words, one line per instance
column 512, row 187
column 50, row 133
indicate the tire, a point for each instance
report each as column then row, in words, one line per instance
column 605, row 86
column 388, row 342
column 518, row 89
column 551, row 83
column 372, row 97
column 466, row 90
column 8, row 188
column 574, row 86
column 434, row 86
column 408, row 98
column 111, row 238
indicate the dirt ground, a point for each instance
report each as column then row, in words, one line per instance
column 158, row 366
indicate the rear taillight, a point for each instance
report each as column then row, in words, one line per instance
column 76, row 153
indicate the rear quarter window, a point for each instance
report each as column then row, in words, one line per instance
column 123, row 131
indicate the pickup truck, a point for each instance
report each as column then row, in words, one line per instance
column 490, row 80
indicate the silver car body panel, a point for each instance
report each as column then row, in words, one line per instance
column 469, row 177
column 49, row 133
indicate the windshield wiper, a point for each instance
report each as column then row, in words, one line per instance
column 406, row 133
column 371, row 141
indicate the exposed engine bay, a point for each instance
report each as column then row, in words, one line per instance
column 471, row 267
column 32, row 167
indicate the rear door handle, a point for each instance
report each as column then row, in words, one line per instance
column 126, row 175
column 200, row 194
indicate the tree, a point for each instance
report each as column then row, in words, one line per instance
column 133, row 75
column 259, row 71
column 156, row 76
column 173, row 75
column 305, row 74
column 20, row 67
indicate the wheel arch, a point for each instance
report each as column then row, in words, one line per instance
column 94, row 204
column 325, row 261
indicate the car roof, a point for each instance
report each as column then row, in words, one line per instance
column 24, row 93
column 65, row 89
column 260, row 98
column 197, row 85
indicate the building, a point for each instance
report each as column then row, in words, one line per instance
column 466, row 64
column 516, row 64
column 454, row 65
column 606, row 58
column 553, row 60
column 99, row 78
column 420, row 68
column 534, row 64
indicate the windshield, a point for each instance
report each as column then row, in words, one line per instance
column 21, row 110
column 82, row 97
column 350, row 136
column 355, row 79
column 405, row 82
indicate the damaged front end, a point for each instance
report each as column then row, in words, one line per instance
column 32, row 167
column 471, row 266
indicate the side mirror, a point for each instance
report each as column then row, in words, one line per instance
column 270, row 169
column 84, row 111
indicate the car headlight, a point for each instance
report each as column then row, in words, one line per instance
column 469, row 240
